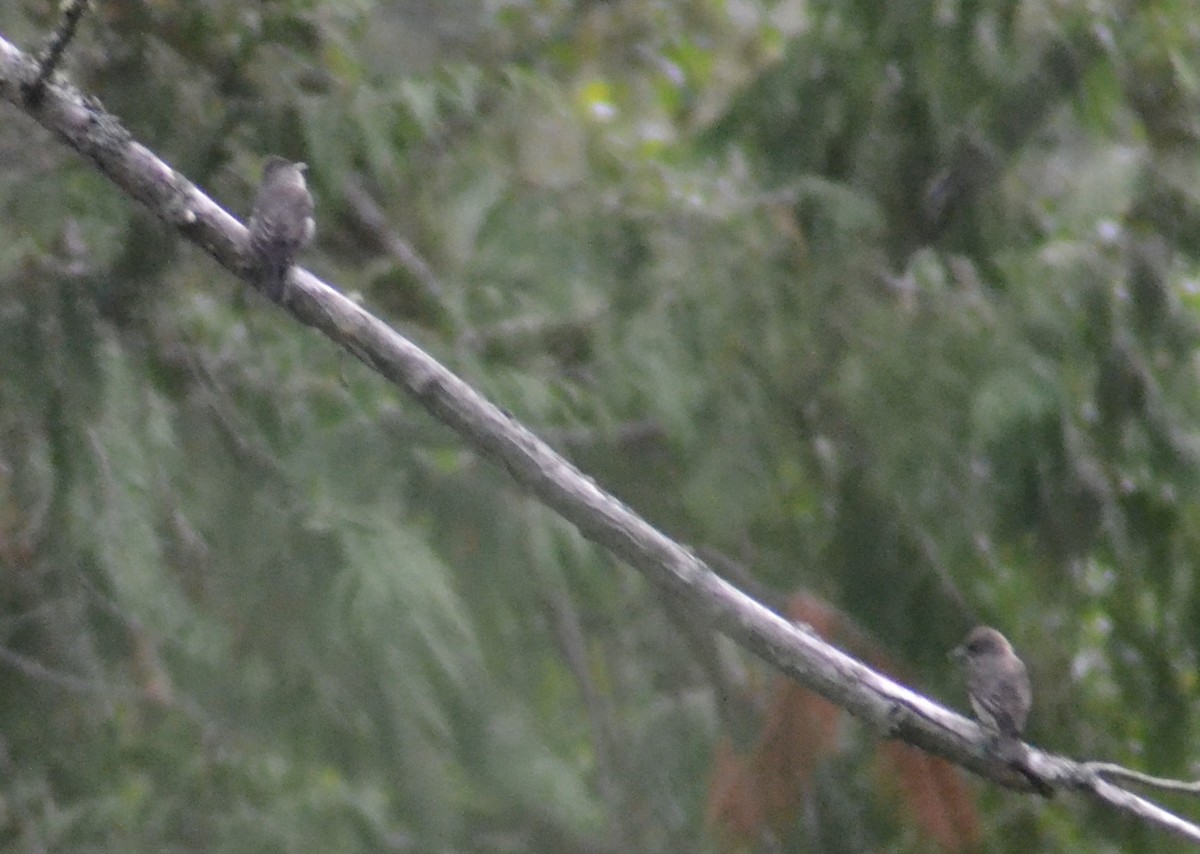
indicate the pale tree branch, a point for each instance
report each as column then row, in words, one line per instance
column 891, row 709
column 1108, row 770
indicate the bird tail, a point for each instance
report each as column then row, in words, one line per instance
column 1014, row 752
column 1009, row 748
column 271, row 278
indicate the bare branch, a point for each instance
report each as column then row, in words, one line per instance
column 1112, row 771
column 83, row 124
column 48, row 59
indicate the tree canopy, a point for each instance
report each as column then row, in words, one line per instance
column 888, row 309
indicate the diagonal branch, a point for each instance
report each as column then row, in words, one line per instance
column 892, row 709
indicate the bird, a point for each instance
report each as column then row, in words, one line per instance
column 281, row 222
column 1001, row 696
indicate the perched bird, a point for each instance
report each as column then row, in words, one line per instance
column 281, row 223
column 1000, row 693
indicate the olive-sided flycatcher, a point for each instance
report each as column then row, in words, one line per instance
column 281, row 223
column 1000, row 693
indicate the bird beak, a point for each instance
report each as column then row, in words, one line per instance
column 957, row 654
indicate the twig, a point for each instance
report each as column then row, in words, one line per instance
column 567, row 631
column 67, row 681
column 48, row 59
column 1113, row 771
column 371, row 218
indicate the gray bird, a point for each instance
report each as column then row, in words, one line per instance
column 1000, row 693
column 281, row 223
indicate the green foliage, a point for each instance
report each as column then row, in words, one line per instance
column 893, row 302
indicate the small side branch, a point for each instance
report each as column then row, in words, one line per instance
column 56, row 45
column 1111, row 771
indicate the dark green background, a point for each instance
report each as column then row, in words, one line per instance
column 892, row 302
